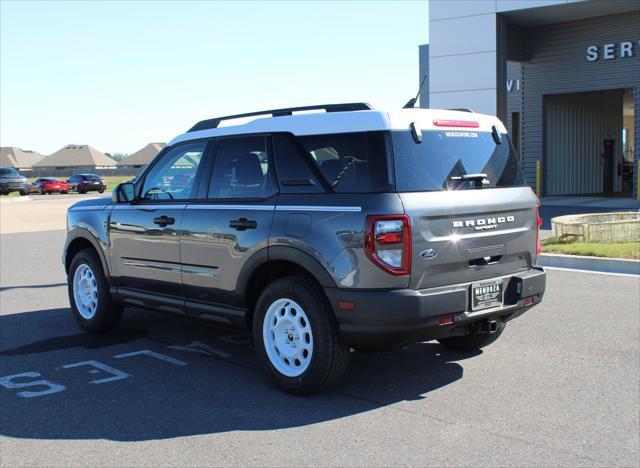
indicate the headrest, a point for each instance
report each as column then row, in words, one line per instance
column 248, row 170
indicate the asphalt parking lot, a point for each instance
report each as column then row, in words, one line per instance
column 561, row 386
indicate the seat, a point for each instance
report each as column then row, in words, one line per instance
column 248, row 176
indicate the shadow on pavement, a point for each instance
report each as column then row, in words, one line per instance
column 159, row 400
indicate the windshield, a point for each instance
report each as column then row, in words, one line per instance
column 8, row 171
column 444, row 156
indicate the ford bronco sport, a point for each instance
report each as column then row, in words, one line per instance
column 320, row 232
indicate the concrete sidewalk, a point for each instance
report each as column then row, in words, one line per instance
column 595, row 264
column 622, row 204
column 36, row 213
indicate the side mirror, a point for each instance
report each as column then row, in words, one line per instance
column 124, row 193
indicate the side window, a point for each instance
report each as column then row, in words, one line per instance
column 294, row 173
column 173, row 176
column 351, row 162
column 241, row 169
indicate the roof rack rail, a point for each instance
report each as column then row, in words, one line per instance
column 462, row 109
column 215, row 122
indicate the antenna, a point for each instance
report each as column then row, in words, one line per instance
column 412, row 102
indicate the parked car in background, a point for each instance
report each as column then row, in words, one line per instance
column 12, row 181
column 83, row 183
column 49, row 185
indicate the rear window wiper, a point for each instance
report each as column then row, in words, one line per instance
column 479, row 179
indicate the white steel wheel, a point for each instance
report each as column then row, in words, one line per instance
column 85, row 291
column 287, row 337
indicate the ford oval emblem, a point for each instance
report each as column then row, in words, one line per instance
column 429, row 253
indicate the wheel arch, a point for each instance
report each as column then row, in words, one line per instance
column 80, row 239
column 277, row 262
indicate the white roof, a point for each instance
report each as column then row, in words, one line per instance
column 320, row 123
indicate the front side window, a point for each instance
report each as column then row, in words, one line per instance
column 242, row 169
column 351, row 162
column 173, row 177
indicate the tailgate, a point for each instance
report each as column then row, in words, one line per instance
column 469, row 235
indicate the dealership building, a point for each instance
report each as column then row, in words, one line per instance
column 564, row 75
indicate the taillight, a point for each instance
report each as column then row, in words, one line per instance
column 538, row 225
column 388, row 243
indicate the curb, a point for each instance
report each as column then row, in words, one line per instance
column 15, row 200
column 602, row 264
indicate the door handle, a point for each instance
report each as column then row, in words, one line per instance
column 242, row 224
column 163, row 221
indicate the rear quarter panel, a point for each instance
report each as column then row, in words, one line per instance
column 330, row 229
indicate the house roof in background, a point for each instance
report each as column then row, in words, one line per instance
column 76, row 155
column 11, row 156
column 142, row 156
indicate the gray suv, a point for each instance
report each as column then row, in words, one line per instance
column 12, row 181
column 321, row 229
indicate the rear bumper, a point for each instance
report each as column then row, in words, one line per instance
column 383, row 319
column 91, row 188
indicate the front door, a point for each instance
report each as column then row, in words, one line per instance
column 145, row 235
column 229, row 225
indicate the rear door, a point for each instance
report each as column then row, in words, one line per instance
column 464, row 230
column 229, row 224
column 145, row 240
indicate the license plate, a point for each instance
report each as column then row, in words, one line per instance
column 486, row 295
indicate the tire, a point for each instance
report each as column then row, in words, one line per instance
column 82, row 192
column 50, row 192
column 472, row 341
column 92, row 306
column 42, row 192
column 63, row 192
column 24, row 193
column 100, row 191
column 298, row 305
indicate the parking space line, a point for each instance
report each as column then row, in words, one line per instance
column 116, row 374
column 153, row 354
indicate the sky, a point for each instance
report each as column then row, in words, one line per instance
column 118, row 75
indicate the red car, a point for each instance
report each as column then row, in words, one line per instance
column 50, row 185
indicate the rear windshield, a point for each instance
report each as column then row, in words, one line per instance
column 91, row 177
column 351, row 162
column 446, row 155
